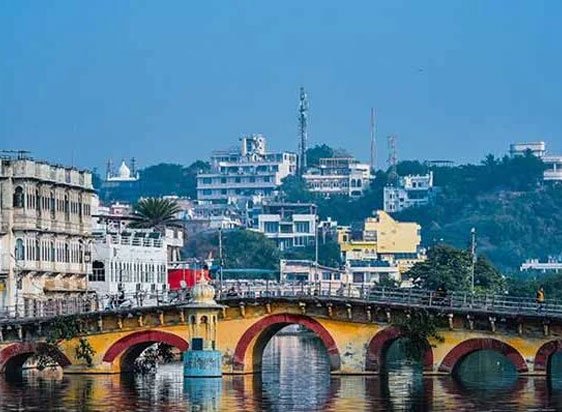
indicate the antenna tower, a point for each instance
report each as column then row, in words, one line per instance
column 303, row 131
column 373, row 143
column 392, row 160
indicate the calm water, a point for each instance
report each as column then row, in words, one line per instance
column 295, row 377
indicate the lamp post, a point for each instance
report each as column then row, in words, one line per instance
column 220, row 261
column 473, row 256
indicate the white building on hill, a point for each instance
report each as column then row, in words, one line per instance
column 340, row 176
column 412, row 190
column 248, row 173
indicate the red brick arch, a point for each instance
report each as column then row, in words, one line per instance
column 380, row 343
column 544, row 353
column 264, row 329
column 131, row 346
column 14, row 356
column 463, row 349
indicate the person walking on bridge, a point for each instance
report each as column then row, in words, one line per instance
column 540, row 299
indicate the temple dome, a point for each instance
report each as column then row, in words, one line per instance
column 202, row 292
column 124, row 171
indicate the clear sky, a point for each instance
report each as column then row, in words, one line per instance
column 81, row 81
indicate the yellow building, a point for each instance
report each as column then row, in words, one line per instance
column 383, row 244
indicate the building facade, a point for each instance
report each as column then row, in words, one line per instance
column 412, row 190
column 248, row 173
column 553, row 163
column 339, row 176
column 45, row 233
column 382, row 249
column 128, row 259
column 307, row 272
column 288, row 224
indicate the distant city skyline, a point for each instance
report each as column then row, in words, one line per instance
column 170, row 82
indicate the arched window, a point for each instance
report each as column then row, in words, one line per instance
column 66, row 206
column 52, row 254
column 20, row 250
column 98, row 271
column 53, row 204
column 66, row 252
column 18, row 197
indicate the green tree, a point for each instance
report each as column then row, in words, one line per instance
column 450, row 267
column 155, row 213
column 314, row 154
column 242, row 249
column 294, row 189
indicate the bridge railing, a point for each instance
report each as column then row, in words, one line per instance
column 492, row 304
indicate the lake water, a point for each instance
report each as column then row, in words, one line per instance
column 295, row 378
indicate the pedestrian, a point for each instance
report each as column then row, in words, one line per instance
column 540, row 299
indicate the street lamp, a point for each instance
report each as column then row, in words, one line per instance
column 473, row 256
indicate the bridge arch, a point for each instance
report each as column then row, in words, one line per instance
column 15, row 355
column 254, row 340
column 543, row 355
column 380, row 343
column 128, row 348
column 465, row 348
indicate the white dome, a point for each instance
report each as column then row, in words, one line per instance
column 124, row 171
column 202, row 292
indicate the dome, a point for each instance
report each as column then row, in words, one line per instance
column 124, row 171
column 202, row 292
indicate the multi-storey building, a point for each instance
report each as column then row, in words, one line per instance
column 384, row 248
column 338, row 176
column 520, row 149
column 45, row 233
column 288, row 224
column 130, row 259
column 412, row 190
column 248, row 173
column 553, row 163
column 308, row 272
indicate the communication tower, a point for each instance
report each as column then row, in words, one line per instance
column 303, row 131
column 392, row 160
column 373, row 162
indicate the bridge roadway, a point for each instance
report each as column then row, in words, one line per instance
column 355, row 325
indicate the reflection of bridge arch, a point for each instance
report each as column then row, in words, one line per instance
column 379, row 344
column 129, row 347
column 259, row 334
column 463, row 349
column 14, row 356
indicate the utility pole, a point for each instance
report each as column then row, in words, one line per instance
column 392, row 160
column 303, row 131
column 373, row 162
column 473, row 256
column 220, row 260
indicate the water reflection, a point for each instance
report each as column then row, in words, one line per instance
column 295, row 377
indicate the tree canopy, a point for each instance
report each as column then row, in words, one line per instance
column 450, row 267
column 155, row 213
column 242, row 249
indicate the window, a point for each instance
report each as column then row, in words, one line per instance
column 326, row 276
column 302, row 227
column 20, row 250
column 98, row 272
column 18, row 197
column 271, row 227
column 206, row 180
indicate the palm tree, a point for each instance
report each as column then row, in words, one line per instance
column 155, row 213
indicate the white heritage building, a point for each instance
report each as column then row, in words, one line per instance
column 128, row 259
column 45, row 234
column 340, row 176
column 245, row 174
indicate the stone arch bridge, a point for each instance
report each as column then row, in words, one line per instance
column 355, row 331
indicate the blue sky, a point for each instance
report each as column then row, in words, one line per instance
column 81, row 81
